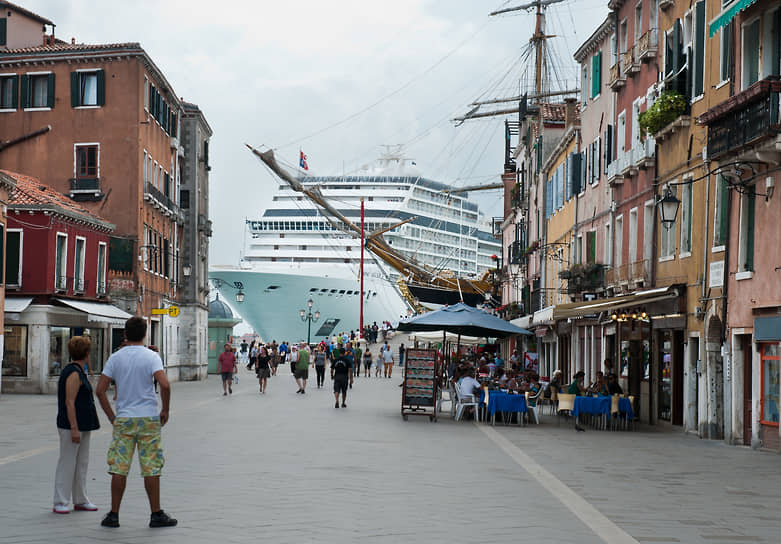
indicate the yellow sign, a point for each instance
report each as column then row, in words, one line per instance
column 172, row 311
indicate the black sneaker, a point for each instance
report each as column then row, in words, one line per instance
column 111, row 520
column 161, row 519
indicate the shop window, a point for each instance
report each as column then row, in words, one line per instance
column 58, row 348
column 770, row 384
column 15, row 351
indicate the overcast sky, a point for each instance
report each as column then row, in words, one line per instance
column 336, row 78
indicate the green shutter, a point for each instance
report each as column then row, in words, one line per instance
column 75, row 94
column 723, row 210
column 3, row 33
column 101, row 87
column 25, row 91
column 596, row 74
column 699, row 48
column 750, row 230
column 591, row 238
column 14, row 94
column 50, row 91
column 12, row 258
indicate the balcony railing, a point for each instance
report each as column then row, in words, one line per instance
column 84, row 189
column 744, row 119
column 587, row 277
column 629, row 63
column 613, row 176
column 61, row 283
column 648, row 45
column 157, row 198
column 625, row 166
column 636, row 272
column 617, row 79
column 101, row 288
column 640, row 272
column 643, row 153
column 80, row 285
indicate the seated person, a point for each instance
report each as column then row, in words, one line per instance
column 469, row 386
column 612, row 385
column 576, row 387
column 555, row 384
column 483, row 369
column 599, row 387
column 502, row 376
column 512, row 381
column 533, row 388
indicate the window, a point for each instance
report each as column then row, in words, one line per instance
column 3, row 31
column 619, row 240
column 60, row 262
column 720, row 213
column 746, row 235
column 100, row 288
column 698, row 43
column 146, row 93
column 667, row 236
column 9, row 92
column 770, row 384
column 608, row 247
column 13, row 258
column 87, row 88
column 87, row 161
column 638, row 20
column 726, row 52
column 184, row 199
column 584, row 84
column 37, row 90
column 771, row 44
column 15, row 351
column 686, row 219
column 632, row 235
column 78, row 265
column 596, row 74
column 751, row 40
column 591, row 247
column 623, row 36
column 58, row 348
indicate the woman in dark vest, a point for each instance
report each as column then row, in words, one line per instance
column 76, row 418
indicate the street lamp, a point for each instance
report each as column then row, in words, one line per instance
column 668, row 208
column 308, row 316
column 236, row 285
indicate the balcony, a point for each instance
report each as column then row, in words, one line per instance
column 648, row 45
column 204, row 225
column 85, row 189
column 617, row 80
column 643, row 153
column 80, row 286
column 637, row 273
column 748, row 119
column 625, row 166
column 629, row 63
column 101, row 289
column 154, row 196
column 584, row 277
column 613, row 175
column 61, row 283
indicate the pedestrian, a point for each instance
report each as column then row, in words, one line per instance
column 320, row 357
column 350, row 355
column 379, row 365
column 263, row 371
column 357, row 357
column 274, row 357
column 302, row 368
column 138, row 420
column 244, row 350
column 283, row 351
column 402, row 350
column 227, row 363
column 341, row 374
column 76, row 419
column 387, row 359
column 253, row 355
column 367, row 363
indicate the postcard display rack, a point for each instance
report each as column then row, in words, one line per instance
column 419, row 395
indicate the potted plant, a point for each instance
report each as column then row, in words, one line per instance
column 668, row 107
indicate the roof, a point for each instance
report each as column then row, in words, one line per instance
column 557, row 112
column 26, row 12
column 595, row 40
column 219, row 310
column 31, row 194
column 60, row 46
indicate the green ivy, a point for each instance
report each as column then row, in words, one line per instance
column 667, row 108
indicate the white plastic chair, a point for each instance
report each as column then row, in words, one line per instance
column 451, row 398
column 533, row 409
column 465, row 401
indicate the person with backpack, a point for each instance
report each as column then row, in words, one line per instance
column 341, row 374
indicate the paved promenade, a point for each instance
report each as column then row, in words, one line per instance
column 290, row 468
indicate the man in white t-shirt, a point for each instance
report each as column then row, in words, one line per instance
column 469, row 386
column 137, row 421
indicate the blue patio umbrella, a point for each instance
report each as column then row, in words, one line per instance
column 463, row 320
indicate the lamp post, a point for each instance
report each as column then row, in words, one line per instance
column 668, row 208
column 308, row 316
column 236, row 285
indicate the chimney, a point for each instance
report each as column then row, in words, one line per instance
column 73, row 41
column 570, row 111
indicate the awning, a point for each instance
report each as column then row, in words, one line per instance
column 640, row 298
column 524, row 322
column 767, row 329
column 15, row 306
column 727, row 14
column 99, row 312
column 544, row 316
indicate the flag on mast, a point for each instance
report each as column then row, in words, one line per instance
column 302, row 160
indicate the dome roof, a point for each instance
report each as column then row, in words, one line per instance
column 219, row 310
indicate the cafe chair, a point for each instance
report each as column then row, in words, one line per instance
column 554, row 400
column 451, row 398
column 532, row 409
column 565, row 406
column 464, row 402
column 614, row 412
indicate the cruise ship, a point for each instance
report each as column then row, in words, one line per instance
column 294, row 252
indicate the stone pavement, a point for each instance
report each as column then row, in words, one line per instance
column 290, row 468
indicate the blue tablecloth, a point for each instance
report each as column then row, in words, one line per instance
column 591, row 405
column 601, row 405
column 504, row 402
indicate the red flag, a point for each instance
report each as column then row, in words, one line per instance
column 302, row 161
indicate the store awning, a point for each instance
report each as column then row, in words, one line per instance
column 727, row 14
column 15, row 306
column 98, row 312
column 543, row 317
column 767, row 329
column 524, row 322
column 640, row 298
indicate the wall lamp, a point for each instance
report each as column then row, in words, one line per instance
column 236, row 285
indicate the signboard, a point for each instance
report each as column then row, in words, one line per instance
column 716, row 275
column 172, row 311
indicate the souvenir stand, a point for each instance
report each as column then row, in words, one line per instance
column 419, row 393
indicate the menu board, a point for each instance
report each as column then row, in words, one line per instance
column 419, row 378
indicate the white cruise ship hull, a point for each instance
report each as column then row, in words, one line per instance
column 273, row 300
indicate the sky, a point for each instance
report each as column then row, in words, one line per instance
column 338, row 79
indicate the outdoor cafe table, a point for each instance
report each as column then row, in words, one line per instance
column 499, row 401
column 601, row 405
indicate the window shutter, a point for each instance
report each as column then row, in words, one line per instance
column 599, row 158
column 609, row 145
column 12, row 258
column 14, row 94
column 723, row 211
column 167, row 261
column 568, row 182
column 3, row 31
column 582, row 173
column 50, row 91
column 574, row 173
column 750, row 230
column 75, row 98
column 101, row 87
column 25, row 91
column 699, row 47
column 591, row 242
column 596, row 74
column 675, row 62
